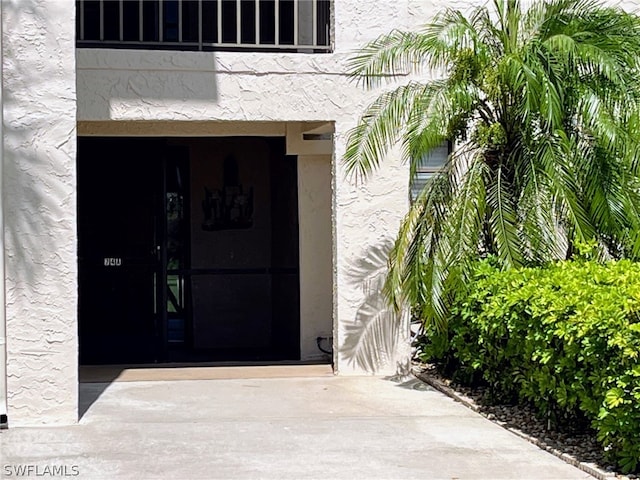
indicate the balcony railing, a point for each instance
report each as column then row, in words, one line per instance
column 292, row 25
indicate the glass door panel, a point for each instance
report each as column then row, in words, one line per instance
column 176, row 242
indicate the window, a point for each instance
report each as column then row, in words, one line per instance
column 430, row 164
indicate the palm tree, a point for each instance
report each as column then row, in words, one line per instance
column 542, row 106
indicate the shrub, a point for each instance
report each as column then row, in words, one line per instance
column 564, row 338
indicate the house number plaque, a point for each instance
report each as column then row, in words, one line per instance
column 112, row 262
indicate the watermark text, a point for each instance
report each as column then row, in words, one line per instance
column 32, row 470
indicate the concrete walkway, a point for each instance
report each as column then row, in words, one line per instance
column 276, row 428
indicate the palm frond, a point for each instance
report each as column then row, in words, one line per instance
column 415, row 262
column 382, row 123
column 387, row 57
column 502, row 220
column 468, row 209
column 542, row 236
column 440, row 115
column 451, row 35
column 556, row 155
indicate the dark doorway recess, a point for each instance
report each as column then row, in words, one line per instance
column 188, row 250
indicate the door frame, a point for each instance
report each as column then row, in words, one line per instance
column 163, row 146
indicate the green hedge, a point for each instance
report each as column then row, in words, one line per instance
column 565, row 338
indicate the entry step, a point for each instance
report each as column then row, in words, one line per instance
column 143, row 373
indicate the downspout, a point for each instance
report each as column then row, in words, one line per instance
column 4, row 421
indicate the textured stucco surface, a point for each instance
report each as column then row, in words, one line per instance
column 117, row 85
column 316, row 274
column 39, row 192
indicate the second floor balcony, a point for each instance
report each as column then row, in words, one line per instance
column 253, row 25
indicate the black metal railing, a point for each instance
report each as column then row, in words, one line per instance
column 291, row 25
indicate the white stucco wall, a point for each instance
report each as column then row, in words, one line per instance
column 121, row 85
column 39, row 193
column 316, row 252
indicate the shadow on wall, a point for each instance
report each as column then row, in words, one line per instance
column 378, row 337
column 39, row 189
column 119, row 83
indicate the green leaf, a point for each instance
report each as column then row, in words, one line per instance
column 614, row 397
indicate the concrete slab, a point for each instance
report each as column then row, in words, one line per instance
column 277, row 428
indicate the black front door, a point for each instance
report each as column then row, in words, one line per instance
column 119, row 255
column 188, row 250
